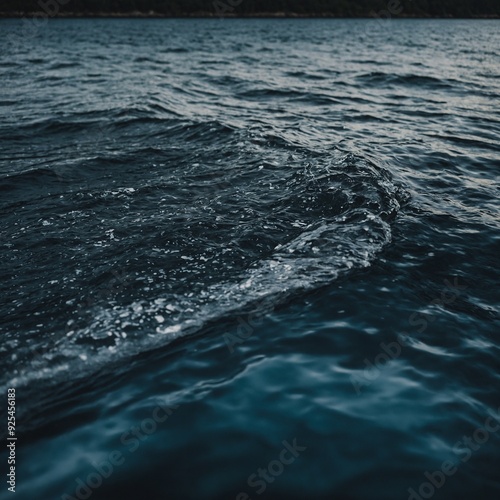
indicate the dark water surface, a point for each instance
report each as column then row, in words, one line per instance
column 266, row 231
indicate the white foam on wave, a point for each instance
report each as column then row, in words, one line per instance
column 321, row 250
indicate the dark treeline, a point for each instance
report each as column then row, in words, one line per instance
column 337, row 8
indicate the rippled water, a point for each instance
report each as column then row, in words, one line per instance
column 280, row 229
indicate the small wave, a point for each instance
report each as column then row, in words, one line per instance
column 64, row 65
column 27, row 178
column 175, row 50
column 260, row 93
column 379, row 78
column 37, row 60
column 68, row 125
column 233, row 233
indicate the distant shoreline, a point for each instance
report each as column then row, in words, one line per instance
column 213, row 15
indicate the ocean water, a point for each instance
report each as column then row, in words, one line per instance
column 251, row 258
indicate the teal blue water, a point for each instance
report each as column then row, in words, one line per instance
column 251, row 258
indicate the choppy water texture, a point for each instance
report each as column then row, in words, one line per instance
column 283, row 229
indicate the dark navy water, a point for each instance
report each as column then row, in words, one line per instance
column 251, row 258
